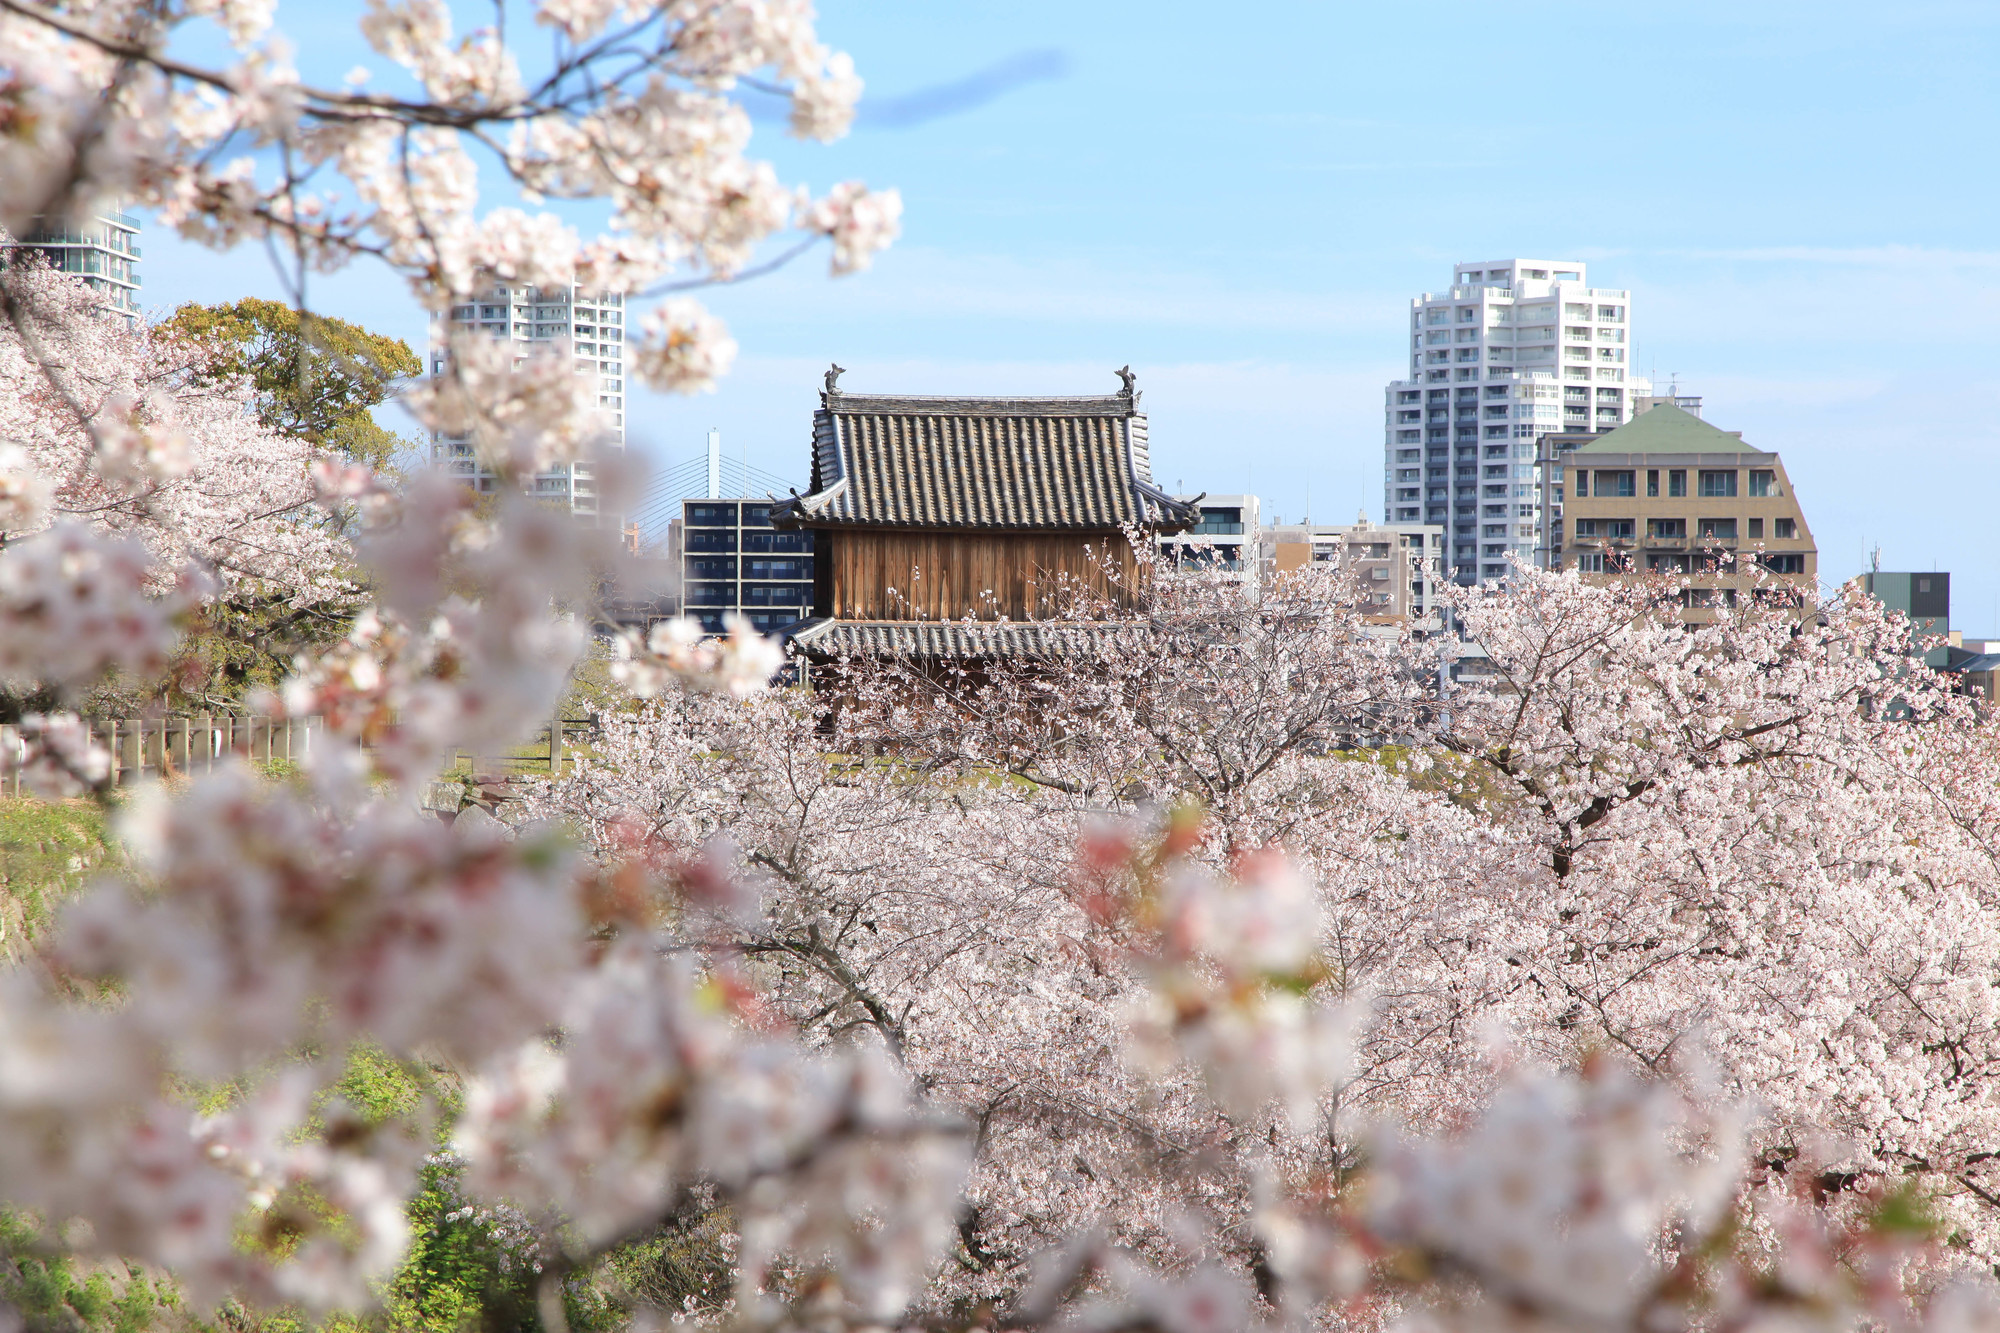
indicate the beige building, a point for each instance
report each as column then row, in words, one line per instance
column 1667, row 493
column 1395, row 562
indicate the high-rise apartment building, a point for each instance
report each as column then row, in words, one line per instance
column 592, row 326
column 103, row 252
column 1513, row 350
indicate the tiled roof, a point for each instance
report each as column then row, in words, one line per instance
column 1023, row 464
column 959, row 639
column 1667, row 429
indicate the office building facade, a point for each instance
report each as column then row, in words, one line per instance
column 1227, row 536
column 103, row 252
column 732, row 559
column 1396, row 564
column 592, row 327
column 1513, row 350
column 1925, row 598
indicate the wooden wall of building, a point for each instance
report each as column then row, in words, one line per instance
column 953, row 575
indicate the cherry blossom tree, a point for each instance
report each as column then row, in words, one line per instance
column 1233, row 977
column 118, row 426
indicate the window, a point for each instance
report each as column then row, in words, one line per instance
column 1783, row 562
column 1666, row 527
column 1785, row 528
column 1652, row 481
column 795, row 568
column 1677, row 482
column 1717, row 529
column 1618, row 529
column 1718, row 483
column 1590, row 562
column 710, row 539
column 776, row 541
column 776, row 594
column 712, row 566
column 1611, row 312
column 1468, row 313
column 711, row 594
column 1756, row 528
column 1667, row 564
column 1582, row 483
column 1763, row 482
column 1586, row 527
column 1616, row 484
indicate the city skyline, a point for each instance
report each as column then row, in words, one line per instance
column 1253, row 256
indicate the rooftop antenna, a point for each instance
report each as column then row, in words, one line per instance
column 1875, row 560
column 714, row 463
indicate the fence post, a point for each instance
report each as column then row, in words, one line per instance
column 153, row 749
column 555, row 744
column 177, row 748
column 131, row 762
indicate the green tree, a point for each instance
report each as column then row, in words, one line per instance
column 315, row 376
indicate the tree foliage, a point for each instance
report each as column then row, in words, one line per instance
column 315, row 377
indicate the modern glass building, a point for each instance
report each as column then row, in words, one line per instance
column 104, row 252
column 732, row 559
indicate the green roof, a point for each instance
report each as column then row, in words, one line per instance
column 1666, row 430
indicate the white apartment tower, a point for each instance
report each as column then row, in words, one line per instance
column 103, row 251
column 592, row 326
column 1516, row 349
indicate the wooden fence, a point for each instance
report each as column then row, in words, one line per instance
column 151, row 747
column 143, row 747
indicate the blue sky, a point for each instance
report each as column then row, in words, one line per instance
column 1239, row 201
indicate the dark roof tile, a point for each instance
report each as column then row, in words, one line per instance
column 1029, row 464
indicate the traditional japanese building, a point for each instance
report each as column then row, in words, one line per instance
column 959, row 527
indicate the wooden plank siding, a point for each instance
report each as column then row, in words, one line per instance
column 877, row 575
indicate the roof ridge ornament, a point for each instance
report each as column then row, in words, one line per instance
column 1130, row 390
column 833, row 373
